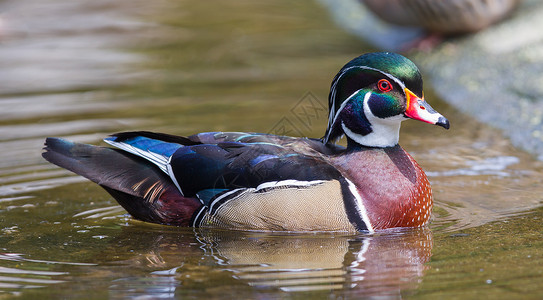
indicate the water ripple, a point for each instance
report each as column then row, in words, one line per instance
column 14, row 279
column 19, row 257
column 488, row 166
column 101, row 212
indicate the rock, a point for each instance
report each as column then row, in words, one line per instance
column 495, row 75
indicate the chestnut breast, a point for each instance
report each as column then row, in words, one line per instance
column 394, row 189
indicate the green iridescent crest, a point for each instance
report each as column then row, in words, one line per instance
column 393, row 64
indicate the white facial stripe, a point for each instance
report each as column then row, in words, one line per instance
column 398, row 81
column 333, row 114
column 366, row 97
column 384, row 132
column 381, row 136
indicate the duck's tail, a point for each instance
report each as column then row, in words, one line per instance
column 146, row 192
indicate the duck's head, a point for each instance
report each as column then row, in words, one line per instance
column 371, row 95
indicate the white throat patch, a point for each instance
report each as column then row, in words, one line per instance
column 385, row 132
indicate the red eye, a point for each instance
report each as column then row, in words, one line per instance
column 384, row 85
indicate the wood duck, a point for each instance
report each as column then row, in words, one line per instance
column 443, row 17
column 265, row 182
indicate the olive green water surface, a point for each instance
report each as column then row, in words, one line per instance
column 82, row 70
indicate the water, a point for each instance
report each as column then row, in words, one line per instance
column 84, row 70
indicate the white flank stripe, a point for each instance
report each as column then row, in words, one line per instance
column 273, row 184
column 211, row 208
column 198, row 216
column 360, row 206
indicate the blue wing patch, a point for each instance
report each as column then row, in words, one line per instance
column 156, row 151
column 209, row 164
column 151, row 145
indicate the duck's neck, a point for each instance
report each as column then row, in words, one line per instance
column 383, row 133
column 353, row 145
column 375, row 139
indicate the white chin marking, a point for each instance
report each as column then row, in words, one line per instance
column 384, row 132
column 381, row 135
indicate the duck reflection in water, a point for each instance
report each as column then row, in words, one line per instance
column 386, row 264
